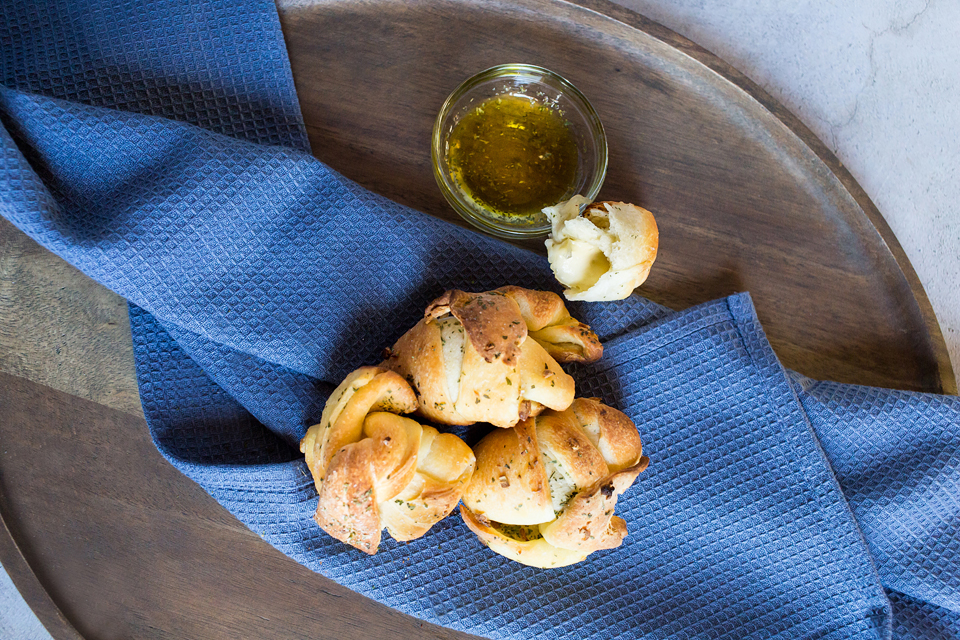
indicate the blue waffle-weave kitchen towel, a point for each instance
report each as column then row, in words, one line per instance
column 738, row 530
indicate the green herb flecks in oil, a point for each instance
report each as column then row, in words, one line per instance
column 514, row 155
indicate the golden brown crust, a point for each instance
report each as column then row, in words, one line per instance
column 367, row 463
column 418, row 357
column 561, row 438
column 347, row 508
column 364, row 390
column 489, row 391
column 364, row 473
column 445, row 465
column 542, row 380
column 612, row 432
column 565, row 338
column 510, row 485
column 490, row 319
column 587, row 523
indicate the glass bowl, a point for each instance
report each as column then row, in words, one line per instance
column 542, row 88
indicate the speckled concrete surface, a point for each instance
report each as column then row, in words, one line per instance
column 875, row 79
column 17, row 621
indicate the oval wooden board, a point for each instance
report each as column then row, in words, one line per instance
column 106, row 540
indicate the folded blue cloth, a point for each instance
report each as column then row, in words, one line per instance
column 775, row 506
column 895, row 455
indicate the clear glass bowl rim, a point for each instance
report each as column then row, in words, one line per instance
column 460, row 205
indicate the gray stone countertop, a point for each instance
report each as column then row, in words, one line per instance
column 876, row 80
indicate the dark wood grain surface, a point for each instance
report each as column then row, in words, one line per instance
column 106, row 540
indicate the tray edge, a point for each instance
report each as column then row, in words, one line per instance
column 25, row 580
column 946, row 381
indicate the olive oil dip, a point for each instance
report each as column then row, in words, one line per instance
column 513, row 155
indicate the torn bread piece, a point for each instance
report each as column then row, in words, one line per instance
column 603, row 253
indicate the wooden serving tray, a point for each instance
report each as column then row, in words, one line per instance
column 107, row 540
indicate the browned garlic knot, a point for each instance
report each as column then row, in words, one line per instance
column 493, row 356
column 546, row 482
column 375, row 469
column 544, row 492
